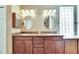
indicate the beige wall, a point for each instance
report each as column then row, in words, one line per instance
column 8, row 29
column 16, row 9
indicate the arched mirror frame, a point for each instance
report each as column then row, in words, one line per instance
column 49, row 22
column 30, row 24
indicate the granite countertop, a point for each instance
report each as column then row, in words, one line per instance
column 41, row 34
column 73, row 37
column 35, row 34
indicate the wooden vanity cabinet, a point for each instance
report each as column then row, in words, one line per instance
column 28, row 45
column 22, row 45
column 18, row 45
column 71, row 46
column 49, row 47
column 38, row 45
column 54, row 45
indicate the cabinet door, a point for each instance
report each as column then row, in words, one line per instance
column 71, row 46
column 38, row 50
column 18, row 46
column 54, row 45
column 49, row 47
column 59, row 49
column 28, row 47
column 22, row 45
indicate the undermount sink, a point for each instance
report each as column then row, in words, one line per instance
column 40, row 32
column 29, row 32
column 49, row 32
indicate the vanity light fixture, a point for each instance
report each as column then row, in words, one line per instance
column 50, row 11
column 27, row 11
column 31, row 11
column 23, row 11
column 45, row 11
column 54, row 10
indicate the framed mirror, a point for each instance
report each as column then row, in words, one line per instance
column 49, row 22
column 28, row 23
column 16, row 20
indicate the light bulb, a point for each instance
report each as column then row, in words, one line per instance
column 45, row 11
column 23, row 11
column 54, row 10
column 50, row 10
column 27, row 11
column 31, row 11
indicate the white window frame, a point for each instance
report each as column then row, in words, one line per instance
column 67, row 31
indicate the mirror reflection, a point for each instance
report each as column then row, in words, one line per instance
column 16, row 20
column 28, row 22
column 49, row 22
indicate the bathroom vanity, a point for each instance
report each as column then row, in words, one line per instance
column 38, row 44
column 44, row 44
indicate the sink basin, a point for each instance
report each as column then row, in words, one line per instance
column 48, row 32
column 30, row 32
column 38, row 32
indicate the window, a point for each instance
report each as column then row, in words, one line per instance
column 66, row 21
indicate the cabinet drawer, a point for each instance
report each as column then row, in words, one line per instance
column 38, row 45
column 22, row 38
column 38, row 50
column 54, row 38
column 38, row 42
column 38, row 38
